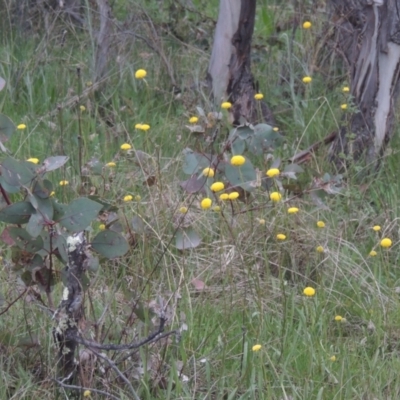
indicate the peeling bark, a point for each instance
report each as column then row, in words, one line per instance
column 368, row 38
column 229, row 71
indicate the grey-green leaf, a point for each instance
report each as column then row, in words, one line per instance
column 17, row 213
column 110, row 244
column 244, row 176
column 187, row 239
column 7, row 127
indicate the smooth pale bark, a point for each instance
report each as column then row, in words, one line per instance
column 368, row 38
column 229, row 71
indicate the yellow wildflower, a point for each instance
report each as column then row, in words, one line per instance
column 275, row 129
column 217, row 186
column 321, row 224
column 64, row 183
column 33, row 160
column 127, row 198
column 307, row 79
column 256, row 347
column 102, row 227
column 111, row 164
column 233, row 195
column 293, row 210
column 320, row 249
column 138, row 198
column 217, row 208
column 307, row 25
column 145, row 127
column 258, row 96
column 140, row 74
column 372, row 253
column 126, row 146
column 138, row 126
column 183, row 210
column 208, row 172
column 343, row 106
column 333, row 358
column 261, row 221
column 281, row 236
column 237, row 161
column 206, row 203
column 338, row 318
column 226, row 105
column 224, row 196
column 52, row 193
column 309, row 291
column 21, row 127
column 272, row 172
column 346, row 89
column 386, row 242
column 376, row 228
column 193, row 120
column 275, row 196
column 82, row 108
column 87, row 393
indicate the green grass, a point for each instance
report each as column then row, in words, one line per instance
column 253, row 283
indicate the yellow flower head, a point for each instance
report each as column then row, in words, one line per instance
column 320, row 249
column 258, row 96
column 321, row 224
column 52, row 193
column 144, row 127
column 309, row 291
column 127, row 198
column 256, row 347
column 183, row 210
column 275, row 129
column 376, row 228
column 272, row 172
column 293, row 210
column 33, row 160
column 275, row 196
column 89, row 83
column 21, row 127
column 237, row 161
column 372, row 253
column 307, row 79
column 193, row 120
column 140, row 74
column 386, row 242
column 208, row 172
column 345, row 89
column 102, row 227
column 338, row 318
column 82, row 108
column 138, row 126
column 281, row 236
column 87, row 393
column 217, row 186
column 233, row 195
column 225, row 105
column 111, row 164
column 206, row 203
column 217, row 208
column 64, row 183
column 261, row 221
column 224, row 196
column 126, row 146
column 307, row 25
column 333, row 358
column 343, row 106
column 138, row 197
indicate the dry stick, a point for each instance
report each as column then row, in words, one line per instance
column 13, row 302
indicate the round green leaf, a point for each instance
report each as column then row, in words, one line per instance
column 187, row 239
column 17, row 213
column 110, row 244
column 7, row 127
column 244, row 176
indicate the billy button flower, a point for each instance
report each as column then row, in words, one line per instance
column 320, row 249
column 224, row 196
column 193, row 120
column 307, row 25
column 386, row 243
column 345, row 89
column 293, row 210
column 258, row 96
column 140, row 74
column 142, row 127
column 206, row 203
column 21, row 127
column 338, row 318
column 226, row 105
column 138, row 126
column 343, row 106
column 275, row 129
column 126, row 146
column 208, row 172
column 82, row 108
column 281, row 236
column 320, row 224
column 64, row 183
column 33, row 160
column 102, row 227
column 237, row 161
column 111, row 164
column 183, row 210
column 272, row 172
column 217, row 186
column 307, row 79
column 233, row 196
column 372, row 253
column 256, row 347
column 309, row 291
column 376, row 228
column 128, row 198
column 275, row 196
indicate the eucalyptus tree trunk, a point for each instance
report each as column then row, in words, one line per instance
column 229, row 72
column 368, row 38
